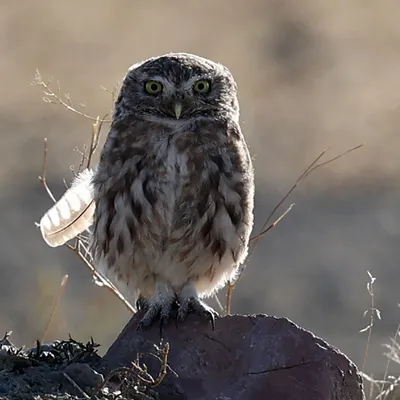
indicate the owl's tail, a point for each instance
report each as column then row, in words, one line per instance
column 72, row 214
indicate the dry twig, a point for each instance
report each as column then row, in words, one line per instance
column 55, row 97
column 139, row 371
column 267, row 227
column 372, row 311
column 80, row 247
column 42, row 178
column 75, row 385
column 99, row 278
column 55, row 306
column 393, row 355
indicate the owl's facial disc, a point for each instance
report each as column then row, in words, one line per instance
column 180, row 87
column 177, row 100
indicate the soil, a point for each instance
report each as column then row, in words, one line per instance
column 63, row 370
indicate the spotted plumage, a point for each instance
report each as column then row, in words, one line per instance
column 174, row 189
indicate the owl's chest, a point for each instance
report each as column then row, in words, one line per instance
column 163, row 176
column 160, row 200
column 149, row 187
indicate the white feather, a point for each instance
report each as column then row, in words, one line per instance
column 72, row 214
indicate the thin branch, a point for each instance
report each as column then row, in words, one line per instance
column 276, row 222
column 312, row 167
column 42, row 178
column 162, row 361
column 139, row 372
column 332, row 159
column 396, row 335
column 221, row 307
column 266, row 227
column 75, row 385
column 86, row 158
column 229, row 293
column 373, row 384
column 55, row 98
column 299, row 179
column 113, row 92
column 163, row 370
column 103, row 280
column 55, row 306
column 80, row 240
column 372, row 311
column 94, row 141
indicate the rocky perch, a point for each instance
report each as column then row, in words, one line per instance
column 245, row 357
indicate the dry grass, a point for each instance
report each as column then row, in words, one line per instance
column 386, row 387
column 36, row 367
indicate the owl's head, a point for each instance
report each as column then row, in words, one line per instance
column 178, row 86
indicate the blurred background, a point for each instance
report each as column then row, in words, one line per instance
column 312, row 75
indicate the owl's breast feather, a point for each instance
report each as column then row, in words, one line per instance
column 177, row 203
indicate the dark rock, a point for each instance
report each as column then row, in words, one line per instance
column 246, row 358
column 83, row 375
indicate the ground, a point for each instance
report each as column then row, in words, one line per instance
column 64, row 370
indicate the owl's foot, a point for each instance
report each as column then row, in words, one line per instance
column 142, row 303
column 195, row 305
column 157, row 308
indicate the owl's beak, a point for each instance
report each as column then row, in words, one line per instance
column 178, row 110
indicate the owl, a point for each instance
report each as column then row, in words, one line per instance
column 171, row 199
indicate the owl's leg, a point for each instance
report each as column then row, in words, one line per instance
column 189, row 301
column 157, row 307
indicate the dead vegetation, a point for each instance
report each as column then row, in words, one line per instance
column 387, row 387
column 71, row 368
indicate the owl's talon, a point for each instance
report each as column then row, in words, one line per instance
column 195, row 305
column 155, row 311
column 142, row 303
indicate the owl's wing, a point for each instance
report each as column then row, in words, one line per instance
column 72, row 214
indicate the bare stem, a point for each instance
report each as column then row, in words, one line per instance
column 139, row 372
column 396, row 335
column 55, row 306
column 276, row 222
column 267, row 227
column 42, row 178
column 104, row 281
column 75, row 385
column 55, row 98
column 372, row 310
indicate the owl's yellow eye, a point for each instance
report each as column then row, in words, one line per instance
column 153, row 87
column 202, row 86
